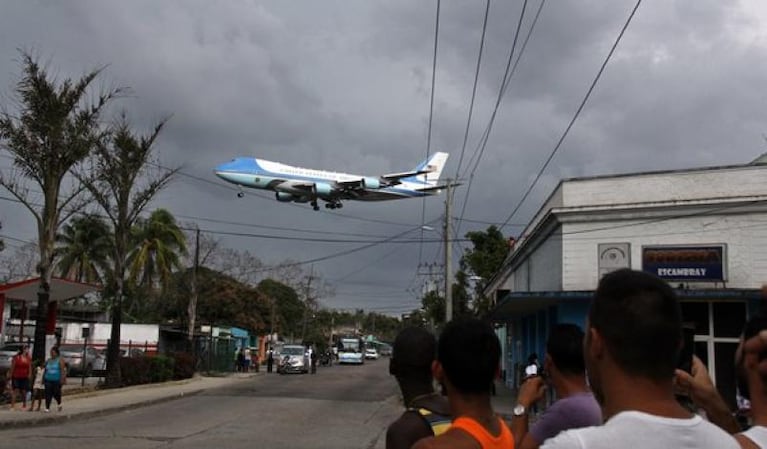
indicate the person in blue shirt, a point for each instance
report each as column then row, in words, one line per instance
column 54, row 377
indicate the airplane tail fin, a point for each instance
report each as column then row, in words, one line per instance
column 435, row 164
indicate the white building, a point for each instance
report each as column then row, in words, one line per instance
column 704, row 230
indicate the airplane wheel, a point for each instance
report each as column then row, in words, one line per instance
column 340, row 205
column 328, row 206
column 316, row 207
column 240, row 194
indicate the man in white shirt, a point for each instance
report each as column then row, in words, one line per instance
column 752, row 366
column 633, row 337
column 751, row 383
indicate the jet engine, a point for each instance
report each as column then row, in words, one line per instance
column 283, row 197
column 371, row 183
column 322, row 190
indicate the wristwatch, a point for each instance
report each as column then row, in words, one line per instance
column 520, row 410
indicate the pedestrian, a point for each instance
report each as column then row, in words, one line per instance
column 566, row 373
column 427, row 413
column 313, row 357
column 632, row 343
column 752, row 373
column 239, row 360
column 269, row 360
column 468, row 359
column 701, row 390
column 21, row 369
column 54, row 377
column 38, row 387
column 246, row 360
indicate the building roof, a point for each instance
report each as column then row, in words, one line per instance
column 664, row 191
column 61, row 289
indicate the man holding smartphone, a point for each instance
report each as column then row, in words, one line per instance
column 566, row 373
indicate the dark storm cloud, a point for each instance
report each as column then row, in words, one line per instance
column 346, row 85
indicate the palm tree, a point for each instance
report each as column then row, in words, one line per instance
column 160, row 243
column 50, row 127
column 83, row 248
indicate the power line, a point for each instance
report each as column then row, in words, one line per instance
column 311, row 239
column 505, row 81
column 479, row 152
column 474, row 88
column 431, row 116
column 575, row 116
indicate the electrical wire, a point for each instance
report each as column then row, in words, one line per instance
column 575, row 116
column 431, row 116
column 480, row 150
column 474, row 88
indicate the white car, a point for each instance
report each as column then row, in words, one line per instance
column 371, row 353
column 294, row 359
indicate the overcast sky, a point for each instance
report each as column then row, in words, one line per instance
column 345, row 86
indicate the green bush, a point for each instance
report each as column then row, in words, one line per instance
column 161, row 368
column 135, row 370
column 184, row 364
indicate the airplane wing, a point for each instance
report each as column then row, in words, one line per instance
column 439, row 187
column 395, row 177
column 292, row 186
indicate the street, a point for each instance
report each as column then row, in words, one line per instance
column 339, row 407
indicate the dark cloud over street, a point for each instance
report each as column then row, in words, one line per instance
column 345, row 86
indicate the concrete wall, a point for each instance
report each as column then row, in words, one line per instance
column 677, row 186
column 745, row 236
column 137, row 334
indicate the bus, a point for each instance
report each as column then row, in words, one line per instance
column 351, row 350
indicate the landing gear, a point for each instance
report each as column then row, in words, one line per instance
column 240, row 194
column 334, row 205
column 315, row 206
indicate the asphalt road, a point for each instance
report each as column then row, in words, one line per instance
column 339, row 407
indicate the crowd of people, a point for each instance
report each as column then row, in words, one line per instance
column 33, row 383
column 616, row 381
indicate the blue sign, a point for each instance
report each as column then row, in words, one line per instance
column 685, row 263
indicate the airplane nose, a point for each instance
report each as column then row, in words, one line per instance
column 222, row 169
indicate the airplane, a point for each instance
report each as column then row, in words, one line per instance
column 303, row 185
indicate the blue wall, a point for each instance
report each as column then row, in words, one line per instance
column 573, row 312
column 528, row 334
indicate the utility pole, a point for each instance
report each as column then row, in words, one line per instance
column 448, row 255
column 306, row 303
column 192, row 309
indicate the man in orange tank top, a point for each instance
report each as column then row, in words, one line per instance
column 468, row 359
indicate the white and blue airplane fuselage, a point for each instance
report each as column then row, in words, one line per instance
column 304, row 185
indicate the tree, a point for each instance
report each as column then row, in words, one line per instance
column 434, row 308
column 54, row 128
column 222, row 300
column 241, row 265
column 21, row 264
column 123, row 181
column 285, row 306
column 83, row 249
column 160, row 244
column 483, row 261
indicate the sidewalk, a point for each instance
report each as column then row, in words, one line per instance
column 80, row 403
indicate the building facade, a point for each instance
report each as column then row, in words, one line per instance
column 702, row 230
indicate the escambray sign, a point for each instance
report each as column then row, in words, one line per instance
column 686, row 263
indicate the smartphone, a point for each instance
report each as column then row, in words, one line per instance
column 688, row 347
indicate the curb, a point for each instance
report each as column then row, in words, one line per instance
column 53, row 419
